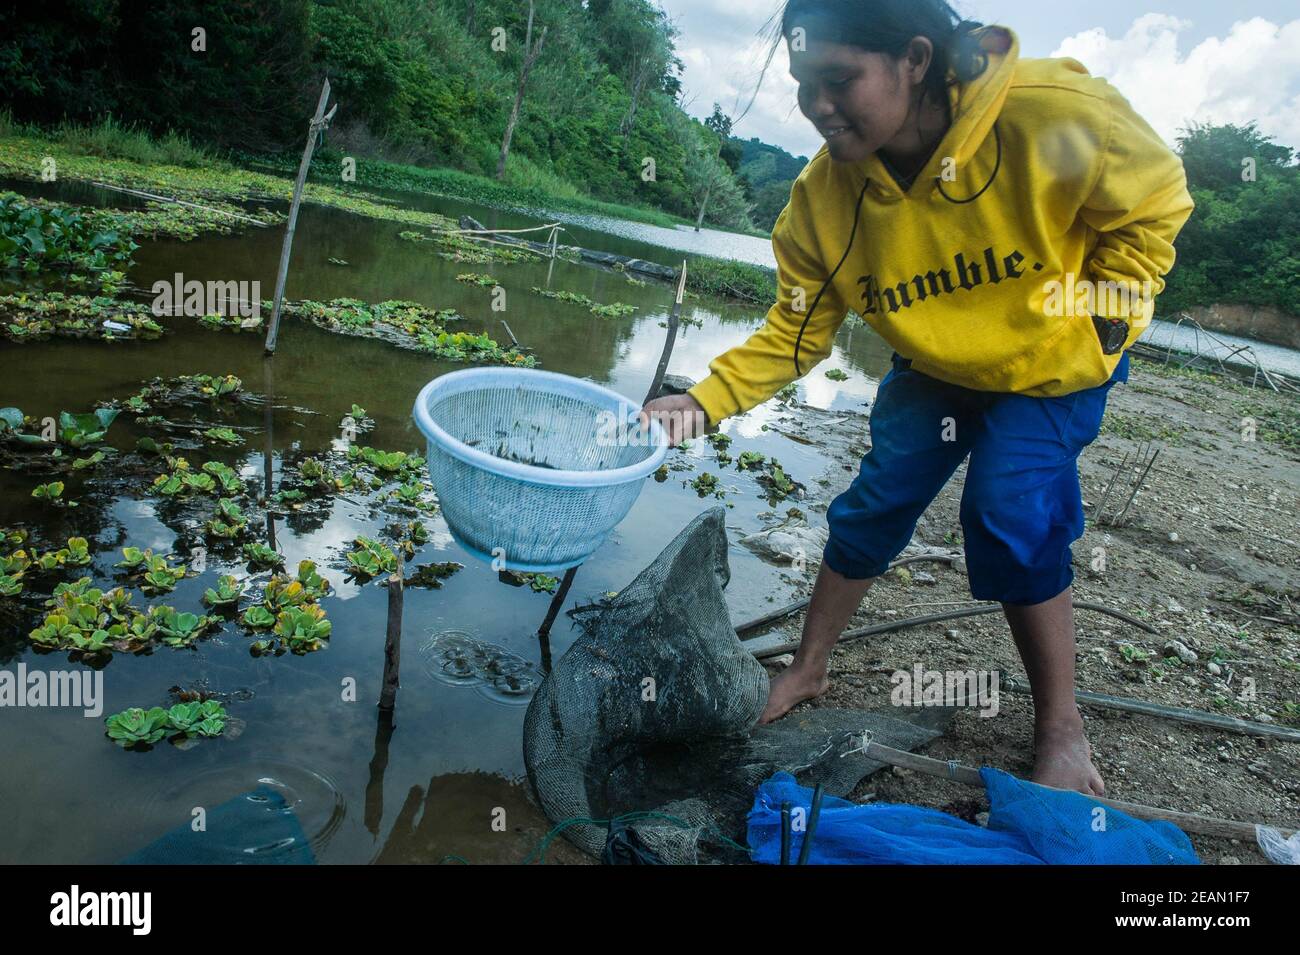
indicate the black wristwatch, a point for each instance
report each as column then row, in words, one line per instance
column 1113, row 334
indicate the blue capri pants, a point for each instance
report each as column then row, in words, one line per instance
column 1021, row 507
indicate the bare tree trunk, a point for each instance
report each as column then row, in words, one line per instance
column 531, row 54
column 703, row 205
column 641, row 73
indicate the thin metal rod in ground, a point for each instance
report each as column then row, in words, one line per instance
column 1119, row 521
column 1100, row 513
column 319, row 122
column 1177, row 713
column 1191, row 822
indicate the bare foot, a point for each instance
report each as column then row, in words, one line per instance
column 791, row 688
column 1063, row 758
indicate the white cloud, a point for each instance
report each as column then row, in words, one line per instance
column 1251, row 74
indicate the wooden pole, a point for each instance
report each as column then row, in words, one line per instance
column 319, row 122
column 674, row 318
column 393, row 640
column 268, row 446
column 543, row 634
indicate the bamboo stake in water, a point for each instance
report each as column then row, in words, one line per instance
column 319, row 121
column 393, row 640
column 674, row 318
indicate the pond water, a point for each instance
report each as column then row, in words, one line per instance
column 430, row 791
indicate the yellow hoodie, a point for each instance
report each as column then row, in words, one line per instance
column 986, row 272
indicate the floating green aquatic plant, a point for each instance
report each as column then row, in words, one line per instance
column 459, row 249
column 542, row 583
column 705, row 484
column 777, row 483
column 229, row 522
column 226, row 436
column 180, row 629
column 371, row 558
column 613, row 310
column 139, row 728
column 258, row 617
column 226, row 593
column 36, row 236
column 302, row 629
column 432, row 575
column 36, row 316
column 52, row 493
column 261, row 556
column 476, row 278
column 837, row 374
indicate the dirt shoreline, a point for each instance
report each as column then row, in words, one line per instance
column 1209, row 553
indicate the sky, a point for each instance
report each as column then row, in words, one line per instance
column 1219, row 61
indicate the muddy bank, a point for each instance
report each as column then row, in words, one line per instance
column 1208, row 554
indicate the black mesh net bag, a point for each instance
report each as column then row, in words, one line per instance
column 649, row 719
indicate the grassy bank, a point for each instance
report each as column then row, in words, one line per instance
column 172, row 166
column 526, row 187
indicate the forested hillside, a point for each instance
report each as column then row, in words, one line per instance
column 767, row 173
column 417, row 82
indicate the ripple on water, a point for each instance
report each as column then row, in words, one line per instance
column 457, row 658
column 310, row 796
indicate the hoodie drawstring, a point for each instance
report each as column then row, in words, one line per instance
column 997, row 164
column 857, row 209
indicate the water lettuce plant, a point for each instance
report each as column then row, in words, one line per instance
column 409, row 325
column 258, row 617
column 229, row 521
column 35, row 316
column 137, row 727
column 302, row 629
column 35, row 235
column 52, row 493
column 179, row 629
column 226, row 593
column 432, row 575
column 612, row 310
column 80, row 430
column 226, row 436
column 261, row 556
column 777, row 483
column 371, row 558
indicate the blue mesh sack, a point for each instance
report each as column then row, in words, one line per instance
column 1028, row 825
column 1066, row 828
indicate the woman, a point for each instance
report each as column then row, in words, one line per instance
column 1003, row 224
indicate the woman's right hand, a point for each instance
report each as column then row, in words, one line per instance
column 680, row 416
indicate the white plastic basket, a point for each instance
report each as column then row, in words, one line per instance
column 533, row 468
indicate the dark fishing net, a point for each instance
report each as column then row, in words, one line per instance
column 650, row 717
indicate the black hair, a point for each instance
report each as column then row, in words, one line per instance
column 888, row 26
